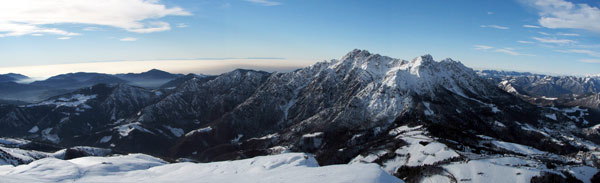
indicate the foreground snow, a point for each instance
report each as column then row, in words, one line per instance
column 291, row 167
column 420, row 150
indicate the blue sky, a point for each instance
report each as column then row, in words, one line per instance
column 542, row 36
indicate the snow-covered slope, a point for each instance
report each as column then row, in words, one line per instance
column 19, row 151
column 289, row 168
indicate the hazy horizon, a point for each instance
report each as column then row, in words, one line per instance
column 207, row 66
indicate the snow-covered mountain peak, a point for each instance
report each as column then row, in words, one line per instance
column 359, row 57
column 356, row 53
column 378, row 65
column 421, row 60
column 450, row 60
column 422, row 74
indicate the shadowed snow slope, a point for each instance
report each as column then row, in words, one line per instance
column 292, row 167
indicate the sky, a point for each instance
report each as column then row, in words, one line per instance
column 42, row 38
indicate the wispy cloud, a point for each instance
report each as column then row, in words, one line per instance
column 509, row 51
column 64, row 38
column 544, row 33
column 181, row 25
column 581, row 51
column 91, row 29
column 128, row 39
column 483, row 47
column 494, row 26
column 565, row 14
column 554, row 40
column 490, row 13
column 593, row 61
column 26, row 17
column 525, row 42
column 265, row 2
column 532, row 26
column 20, row 29
column 567, row 34
column 559, row 34
column 226, row 5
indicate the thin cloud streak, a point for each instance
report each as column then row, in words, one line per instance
column 483, row 47
column 509, row 51
column 591, row 61
column 567, row 34
column 128, row 39
column 181, row 25
column 525, row 42
column 265, row 2
column 554, row 40
column 544, row 33
column 532, row 26
column 581, row 51
column 495, row 27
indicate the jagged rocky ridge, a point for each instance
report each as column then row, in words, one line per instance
column 362, row 108
column 538, row 85
column 576, row 97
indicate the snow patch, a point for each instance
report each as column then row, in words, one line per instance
column 498, row 123
column 428, row 110
column 50, row 137
column 487, row 170
column 34, row 129
column 312, row 135
column 551, row 116
column 106, row 139
column 518, row 148
column 71, row 101
column 178, row 132
column 237, row 139
column 13, row 142
column 201, row 130
column 125, row 129
column 402, row 129
column 420, row 150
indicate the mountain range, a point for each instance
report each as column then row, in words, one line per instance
column 419, row 119
column 12, row 87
